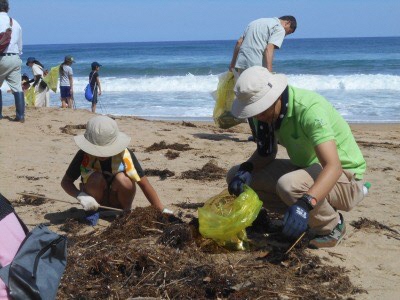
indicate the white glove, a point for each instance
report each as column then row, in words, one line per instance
column 87, row 201
column 167, row 211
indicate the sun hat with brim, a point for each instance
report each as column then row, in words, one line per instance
column 256, row 90
column 102, row 138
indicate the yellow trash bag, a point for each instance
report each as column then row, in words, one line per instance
column 30, row 96
column 224, row 218
column 52, row 78
column 224, row 97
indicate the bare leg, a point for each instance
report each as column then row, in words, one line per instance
column 64, row 103
column 93, row 107
column 123, row 191
column 96, row 187
column 70, row 102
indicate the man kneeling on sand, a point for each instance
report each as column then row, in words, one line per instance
column 325, row 170
column 109, row 171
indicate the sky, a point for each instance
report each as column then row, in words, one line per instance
column 100, row 21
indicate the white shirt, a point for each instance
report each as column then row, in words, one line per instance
column 258, row 34
column 16, row 36
column 37, row 70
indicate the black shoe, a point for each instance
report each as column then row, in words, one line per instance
column 22, row 120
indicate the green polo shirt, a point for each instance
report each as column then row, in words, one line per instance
column 311, row 120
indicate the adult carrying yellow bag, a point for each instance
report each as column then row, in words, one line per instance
column 51, row 79
column 224, row 218
column 30, row 96
column 224, row 97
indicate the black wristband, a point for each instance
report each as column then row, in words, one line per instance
column 246, row 166
column 304, row 202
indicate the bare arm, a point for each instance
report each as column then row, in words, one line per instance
column 235, row 53
column 150, row 193
column 98, row 85
column 69, row 187
column 332, row 169
column 269, row 56
column 71, row 83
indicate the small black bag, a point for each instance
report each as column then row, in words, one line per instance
column 42, row 84
column 36, row 270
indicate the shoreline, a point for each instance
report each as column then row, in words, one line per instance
column 35, row 155
column 205, row 120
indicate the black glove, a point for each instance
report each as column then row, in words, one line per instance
column 242, row 176
column 296, row 219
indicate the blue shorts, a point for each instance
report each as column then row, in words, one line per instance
column 65, row 92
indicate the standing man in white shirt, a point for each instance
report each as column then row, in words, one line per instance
column 257, row 44
column 10, row 62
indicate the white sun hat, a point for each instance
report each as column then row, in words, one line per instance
column 256, row 90
column 102, row 138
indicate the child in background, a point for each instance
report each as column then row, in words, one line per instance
column 95, row 83
column 67, row 82
column 25, row 82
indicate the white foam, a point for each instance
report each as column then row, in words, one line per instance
column 346, row 82
column 208, row 83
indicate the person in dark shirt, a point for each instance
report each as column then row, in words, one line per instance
column 95, row 84
column 109, row 171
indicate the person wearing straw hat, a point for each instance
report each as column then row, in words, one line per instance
column 325, row 167
column 109, row 171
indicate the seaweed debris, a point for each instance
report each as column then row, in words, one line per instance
column 209, row 172
column 171, row 154
column 147, row 254
column 163, row 174
column 71, row 129
column 163, row 145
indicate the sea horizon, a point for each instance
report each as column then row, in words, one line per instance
column 175, row 79
column 214, row 40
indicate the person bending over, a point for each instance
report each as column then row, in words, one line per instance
column 109, row 171
column 260, row 39
column 325, row 168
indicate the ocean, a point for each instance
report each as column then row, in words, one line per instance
column 175, row 80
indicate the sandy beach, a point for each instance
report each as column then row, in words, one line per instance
column 35, row 155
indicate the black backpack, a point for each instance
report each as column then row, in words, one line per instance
column 36, row 270
column 5, row 37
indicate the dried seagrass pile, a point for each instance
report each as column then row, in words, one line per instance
column 146, row 254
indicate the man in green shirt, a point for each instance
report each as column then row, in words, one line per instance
column 325, row 170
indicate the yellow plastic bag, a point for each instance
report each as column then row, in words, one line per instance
column 30, row 96
column 224, row 97
column 52, row 78
column 224, row 218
